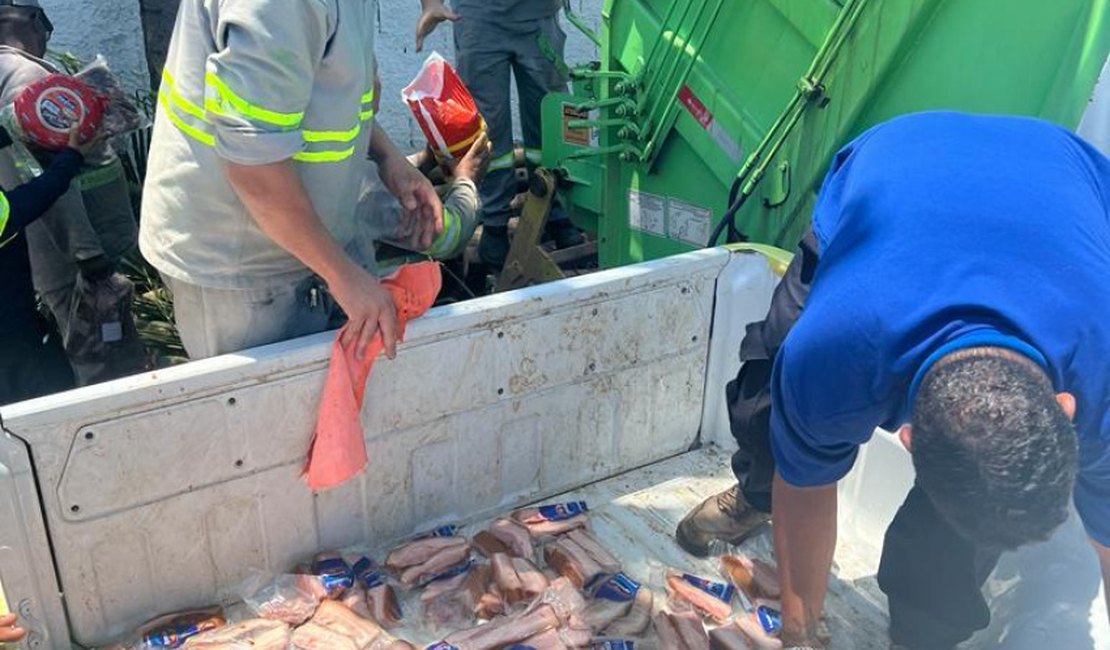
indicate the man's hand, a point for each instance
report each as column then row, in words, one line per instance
column 369, row 308
column 80, row 145
column 276, row 199
column 421, row 205
column 474, row 164
column 9, row 633
column 805, row 539
column 432, row 15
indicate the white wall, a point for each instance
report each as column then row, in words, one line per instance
column 112, row 28
column 109, row 27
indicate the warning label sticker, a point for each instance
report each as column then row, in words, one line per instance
column 648, row 213
column 583, row 137
column 704, row 117
column 688, row 222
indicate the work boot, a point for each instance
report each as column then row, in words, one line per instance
column 564, row 234
column 727, row 517
column 493, row 248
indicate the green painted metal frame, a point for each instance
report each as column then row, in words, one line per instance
column 688, row 95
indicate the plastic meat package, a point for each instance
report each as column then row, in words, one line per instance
column 285, row 598
column 120, row 113
column 444, row 108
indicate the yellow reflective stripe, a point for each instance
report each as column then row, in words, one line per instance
column 448, row 240
column 459, row 146
column 367, row 107
column 179, row 100
column 101, row 176
column 182, row 125
column 245, row 108
column 332, row 136
column 501, row 162
column 5, row 214
column 457, row 229
column 324, row 156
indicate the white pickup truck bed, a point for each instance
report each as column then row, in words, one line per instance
column 161, row 492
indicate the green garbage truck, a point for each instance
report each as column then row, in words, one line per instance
column 712, row 120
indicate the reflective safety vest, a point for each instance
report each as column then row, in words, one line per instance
column 255, row 82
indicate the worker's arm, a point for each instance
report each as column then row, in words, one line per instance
column 419, row 201
column 805, row 539
column 278, row 202
column 1104, row 563
column 259, row 83
column 67, row 224
column 432, row 13
column 822, row 411
column 29, row 201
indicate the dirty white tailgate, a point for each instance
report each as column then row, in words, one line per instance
column 160, row 491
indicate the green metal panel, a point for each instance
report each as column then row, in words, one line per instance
column 688, row 90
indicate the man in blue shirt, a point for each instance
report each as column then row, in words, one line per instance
column 955, row 289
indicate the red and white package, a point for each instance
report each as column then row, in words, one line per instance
column 47, row 108
column 444, row 108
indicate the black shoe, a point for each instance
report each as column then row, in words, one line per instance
column 564, row 234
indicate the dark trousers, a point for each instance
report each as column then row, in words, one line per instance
column 30, row 368
column 932, row 577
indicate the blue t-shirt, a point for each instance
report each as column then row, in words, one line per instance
column 936, row 226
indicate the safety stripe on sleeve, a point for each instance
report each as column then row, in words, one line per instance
column 226, row 98
column 324, row 156
column 183, row 126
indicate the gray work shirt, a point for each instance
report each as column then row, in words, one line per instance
column 256, row 82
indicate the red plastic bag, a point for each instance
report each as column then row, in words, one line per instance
column 444, row 108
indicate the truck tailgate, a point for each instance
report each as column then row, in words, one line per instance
column 160, row 492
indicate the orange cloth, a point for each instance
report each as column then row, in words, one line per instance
column 338, row 448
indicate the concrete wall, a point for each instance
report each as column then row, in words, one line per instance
column 109, row 27
column 112, row 28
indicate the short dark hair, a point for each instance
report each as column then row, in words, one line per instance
column 993, row 450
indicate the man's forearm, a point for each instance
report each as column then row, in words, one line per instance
column 805, row 539
column 1104, row 563
column 381, row 147
column 276, row 199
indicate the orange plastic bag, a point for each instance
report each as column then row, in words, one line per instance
column 444, row 108
column 338, row 448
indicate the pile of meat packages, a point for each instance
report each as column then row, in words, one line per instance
column 534, row 580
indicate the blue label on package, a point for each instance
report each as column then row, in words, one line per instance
column 175, row 636
column 442, row 531
column 521, row 646
column 456, row 570
column 561, row 511
column 613, row 644
column 769, row 618
column 618, row 588
column 716, row 589
column 368, row 573
column 442, row 645
column 334, row 573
